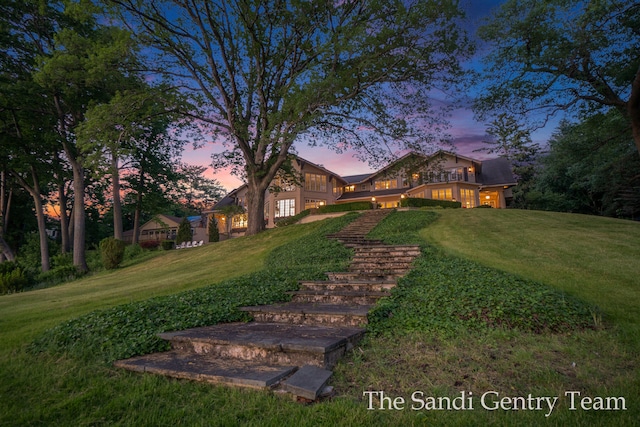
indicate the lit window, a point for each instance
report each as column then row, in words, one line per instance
column 468, row 198
column 349, row 188
column 386, row 184
column 312, row 203
column 315, row 182
column 285, row 208
column 442, row 194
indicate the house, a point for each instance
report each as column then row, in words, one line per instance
column 442, row 176
column 285, row 197
column 165, row 227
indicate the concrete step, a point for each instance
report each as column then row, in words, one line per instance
column 338, row 297
column 199, row 367
column 351, row 286
column 268, row 343
column 311, row 314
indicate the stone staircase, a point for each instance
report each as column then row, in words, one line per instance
column 291, row 346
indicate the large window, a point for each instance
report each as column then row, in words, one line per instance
column 285, row 207
column 315, row 182
column 468, row 198
column 442, row 194
column 386, row 184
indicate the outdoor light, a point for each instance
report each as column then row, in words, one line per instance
column 402, row 196
column 373, row 199
column 487, row 197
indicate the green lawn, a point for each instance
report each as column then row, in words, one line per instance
column 592, row 258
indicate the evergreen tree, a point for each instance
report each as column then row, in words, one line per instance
column 184, row 232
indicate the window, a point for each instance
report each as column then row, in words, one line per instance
column 442, row 194
column 314, row 182
column 239, row 221
column 386, row 184
column 349, row 188
column 285, row 207
column 283, row 185
column 312, row 203
column 337, row 189
column 468, row 198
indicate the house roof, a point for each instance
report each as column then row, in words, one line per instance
column 354, row 179
column 496, row 172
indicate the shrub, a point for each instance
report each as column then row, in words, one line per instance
column 167, row 245
column 111, row 252
column 292, row 219
column 184, row 232
column 415, row 202
column 133, row 251
column 214, row 233
column 345, row 207
column 150, row 244
column 12, row 278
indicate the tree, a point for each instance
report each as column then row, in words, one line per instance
column 511, row 140
column 271, row 73
column 80, row 61
column 184, row 232
column 214, row 233
column 564, row 55
column 112, row 129
column 591, row 167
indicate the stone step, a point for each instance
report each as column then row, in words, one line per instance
column 338, row 297
column 414, row 249
column 268, row 343
column 351, row 286
column 379, row 264
column 378, row 271
column 310, row 314
column 307, row 382
column 199, row 367
column 347, row 276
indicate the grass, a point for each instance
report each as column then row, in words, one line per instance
column 56, row 388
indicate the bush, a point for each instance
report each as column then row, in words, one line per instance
column 111, row 252
column 150, row 244
column 167, row 245
column 12, row 278
column 214, row 233
column 292, row 219
column 184, row 232
column 345, row 207
column 415, row 202
column 132, row 251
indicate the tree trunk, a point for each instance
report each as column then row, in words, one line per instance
column 34, row 191
column 136, row 215
column 255, row 205
column 117, row 205
column 633, row 109
column 79, row 259
column 64, row 219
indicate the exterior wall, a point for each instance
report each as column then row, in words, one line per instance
column 316, row 189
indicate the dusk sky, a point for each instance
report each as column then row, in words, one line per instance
column 467, row 133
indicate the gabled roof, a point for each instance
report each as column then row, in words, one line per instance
column 354, row 179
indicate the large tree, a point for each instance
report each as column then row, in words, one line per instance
column 270, row 72
column 564, row 55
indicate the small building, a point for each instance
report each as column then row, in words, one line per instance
column 165, row 227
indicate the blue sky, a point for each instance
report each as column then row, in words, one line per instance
column 467, row 133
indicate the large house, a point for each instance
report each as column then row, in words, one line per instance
column 443, row 176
